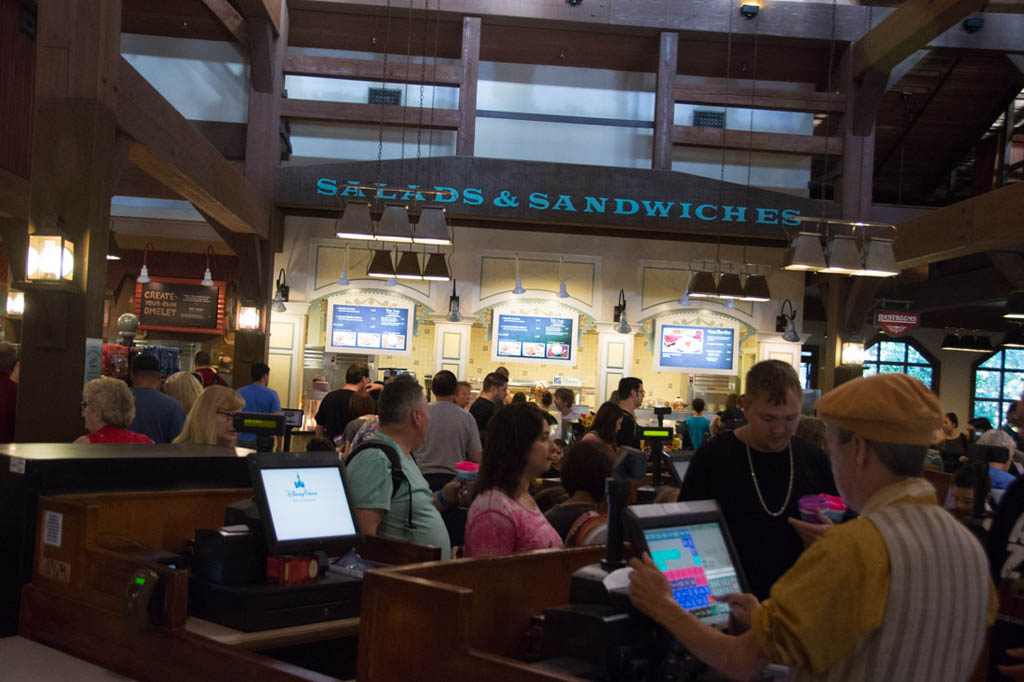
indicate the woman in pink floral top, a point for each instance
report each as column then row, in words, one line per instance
column 504, row 518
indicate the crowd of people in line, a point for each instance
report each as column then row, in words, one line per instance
column 505, row 474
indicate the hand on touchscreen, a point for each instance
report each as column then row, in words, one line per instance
column 741, row 606
column 648, row 588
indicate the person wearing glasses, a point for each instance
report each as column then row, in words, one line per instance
column 108, row 408
column 211, row 421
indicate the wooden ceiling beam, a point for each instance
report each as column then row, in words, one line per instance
column 698, row 136
column 987, row 222
column 231, row 19
column 263, row 10
column 976, row 287
column 171, row 150
column 369, row 70
column 775, row 100
column 355, row 112
column 911, row 27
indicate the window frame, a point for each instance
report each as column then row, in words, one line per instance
column 935, row 363
column 975, row 366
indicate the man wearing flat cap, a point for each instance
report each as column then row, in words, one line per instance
column 901, row 593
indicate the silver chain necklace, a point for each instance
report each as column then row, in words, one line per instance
column 757, row 488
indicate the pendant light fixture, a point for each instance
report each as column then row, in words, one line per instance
column 432, row 227
column 878, row 259
column 950, row 342
column 113, row 251
column 1015, row 306
column 703, row 285
column 518, row 290
column 562, row 291
column 408, row 266
column 729, row 286
column 436, row 269
column 453, row 306
column 393, row 279
column 843, row 256
column 394, row 225
column 1014, row 337
column 381, row 266
column 619, row 315
column 207, row 275
column 143, row 277
column 355, row 222
column 755, row 289
column 805, row 253
column 343, row 279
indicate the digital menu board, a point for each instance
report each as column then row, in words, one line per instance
column 697, row 348
column 369, row 328
column 525, row 337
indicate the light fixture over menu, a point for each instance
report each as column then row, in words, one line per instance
column 876, row 259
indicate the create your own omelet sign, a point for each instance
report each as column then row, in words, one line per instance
column 552, row 193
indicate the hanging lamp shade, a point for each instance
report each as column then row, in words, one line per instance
column 563, row 292
column 143, row 277
column 703, row 285
column 432, row 227
column 356, row 222
column 278, row 306
column 408, row 266
column 805, row 253
column 394, row 225
column 843, row 256
column 1015, row 306
column 685, row 300
column 950, row 342
column 436, row 269
column 381, row 266
column 518, row 290
column 1014, row 338
column 982, row 344
column 343, row 279
column 729, row 286
column 113, row 251
column 453, row 306
column 756, row 289
column 878, row 259
column 791, row 335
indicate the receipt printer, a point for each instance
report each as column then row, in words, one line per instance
column 230, row 555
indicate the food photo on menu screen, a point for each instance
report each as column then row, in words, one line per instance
column 355, row 326
column 543, row 338
column 697, row 347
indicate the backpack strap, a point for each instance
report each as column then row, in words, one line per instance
column 397, row 475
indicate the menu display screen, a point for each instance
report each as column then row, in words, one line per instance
column 535, row 338
column 369, row 328
column 697, row 348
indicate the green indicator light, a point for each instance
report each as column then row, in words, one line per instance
column 140, row 581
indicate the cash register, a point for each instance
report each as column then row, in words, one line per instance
column 301, row 512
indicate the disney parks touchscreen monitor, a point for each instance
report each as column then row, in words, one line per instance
column 303, row 501
column 690, row 543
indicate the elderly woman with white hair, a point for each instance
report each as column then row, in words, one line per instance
column 108, row 407
column 1000, row 457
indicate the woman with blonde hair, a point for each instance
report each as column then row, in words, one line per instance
column 211, row 421
column 108, row 407
column 183, row 387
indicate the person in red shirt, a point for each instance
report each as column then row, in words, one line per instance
column 8, row 390
column 108, row 408
column 207, row 374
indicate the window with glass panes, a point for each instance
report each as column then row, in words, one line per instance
column 885, row 356
column 998, row 381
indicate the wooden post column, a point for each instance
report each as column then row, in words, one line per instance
column 466, row 139
column 75, row 161
column 664, row 101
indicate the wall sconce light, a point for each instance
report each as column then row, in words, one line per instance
column 519, row 282
column 15, row 303
column 343, row 280
column 143, row 277
column 562, row 291
column 207, row 275
column 281, row 293
column 453, row 306
column 749, row 10
column 619, row 316
column 785, row 323
column 852, row 353
column 248, row 318
column 51, row 255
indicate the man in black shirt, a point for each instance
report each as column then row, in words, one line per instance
column 490, row 399
column 333, row 416
column 631, row 396
column 757, row 473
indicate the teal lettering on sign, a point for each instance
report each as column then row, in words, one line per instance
column 543, row 201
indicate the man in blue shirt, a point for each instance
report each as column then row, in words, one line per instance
column 258, row 398
column 157, row 414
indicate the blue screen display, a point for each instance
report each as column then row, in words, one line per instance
column 356, row 326
column 524, row 336
column 696, row 347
